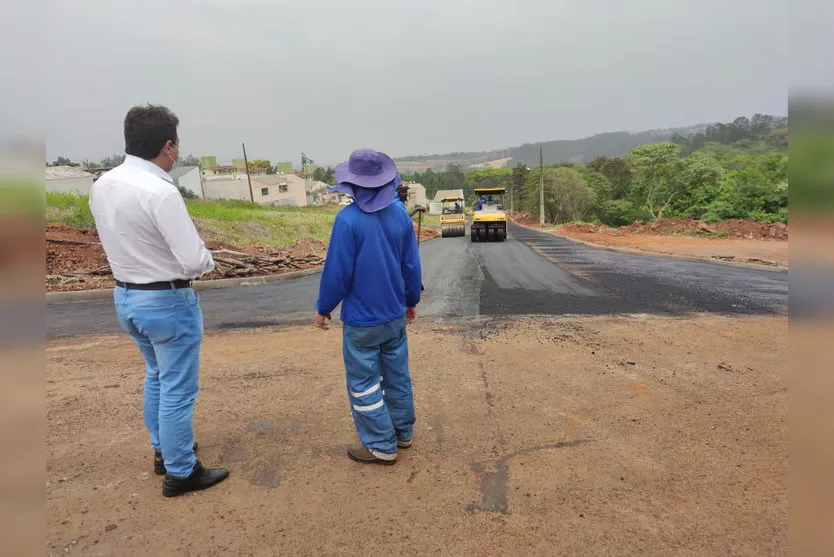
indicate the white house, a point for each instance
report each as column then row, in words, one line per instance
column 280, row 189
column 68, row 179
column 273, row 189
column 188, row 178
column 229, row 188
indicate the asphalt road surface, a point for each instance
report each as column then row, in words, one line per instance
column 530, row 273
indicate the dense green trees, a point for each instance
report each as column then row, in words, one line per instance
column 735, row 170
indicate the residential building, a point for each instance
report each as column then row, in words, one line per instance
column 68, row 179
column 436, row 207
column 230, row 172
column 208, row 162
column 188, row 178
column 318, row 193
column 280, row 189
column 226, row 188
column 274, row 189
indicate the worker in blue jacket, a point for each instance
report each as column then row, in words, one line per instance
column 373, row 269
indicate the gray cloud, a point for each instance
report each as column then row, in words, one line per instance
column 434, row 76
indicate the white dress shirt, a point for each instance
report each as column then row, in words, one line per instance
column 144, row 227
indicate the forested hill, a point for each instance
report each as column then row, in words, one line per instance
column 613, row 144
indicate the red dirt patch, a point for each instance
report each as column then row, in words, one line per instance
column 75, row 259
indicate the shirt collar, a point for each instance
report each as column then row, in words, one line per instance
column 148, row 166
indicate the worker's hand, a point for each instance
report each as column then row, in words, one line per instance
column 420, row 209
column 321, row 321
column 410, row 315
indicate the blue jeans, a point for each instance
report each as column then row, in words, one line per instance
column 378, row 383
column 167, row 325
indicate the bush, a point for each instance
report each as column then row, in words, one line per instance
column 622, row 212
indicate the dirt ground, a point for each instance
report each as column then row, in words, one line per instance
column 773, row 254
column 75, row 259
column 626, row 435
column 734, row 240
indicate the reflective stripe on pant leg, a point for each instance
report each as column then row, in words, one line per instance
column 398, row 394
column 370, row 415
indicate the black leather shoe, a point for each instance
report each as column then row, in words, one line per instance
column 200, row 478
column 159, row 463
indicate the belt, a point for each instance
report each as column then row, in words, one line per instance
column 166, row 285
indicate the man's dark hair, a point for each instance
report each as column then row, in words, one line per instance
column 147, row 129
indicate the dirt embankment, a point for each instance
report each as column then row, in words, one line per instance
column 734, row 240
column 75, row 259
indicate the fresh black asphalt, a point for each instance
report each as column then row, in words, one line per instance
column 530, row 273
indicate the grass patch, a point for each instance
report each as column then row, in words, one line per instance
column 431, row 220
column 70, row 209
column 238, row 223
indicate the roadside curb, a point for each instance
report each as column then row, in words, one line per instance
column 635, row 251
column 107, row 293
column 54, row 298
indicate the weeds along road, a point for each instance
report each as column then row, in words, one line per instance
column 531, row 273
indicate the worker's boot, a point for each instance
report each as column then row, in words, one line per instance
column 201, row 478
column 159, row 463
column 405, row 444
column 366, row 456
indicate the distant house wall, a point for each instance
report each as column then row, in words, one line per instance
column 280, row 190
column 226, row 189
column 192, row 181
column 80, row 186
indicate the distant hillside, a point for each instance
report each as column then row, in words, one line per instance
column 584, row 150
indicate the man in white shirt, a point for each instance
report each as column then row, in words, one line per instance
column 154, row 251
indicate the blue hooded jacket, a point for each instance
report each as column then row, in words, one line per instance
column 372, row 267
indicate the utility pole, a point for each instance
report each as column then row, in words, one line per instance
column 541, row 187
column 248, row 177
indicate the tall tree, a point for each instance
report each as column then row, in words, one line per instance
column 653, row 165
column 324, row 175
column 567, row 195
column 190, row 160
column 112, row 161
column 616, row 171
column 517, row 182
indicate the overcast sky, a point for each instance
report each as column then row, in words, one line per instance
column 405, row 77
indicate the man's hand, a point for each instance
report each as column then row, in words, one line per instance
column 321, row 321
column 410, row 315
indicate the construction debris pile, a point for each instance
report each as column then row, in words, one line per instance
column 266, row 261
column 75, row 259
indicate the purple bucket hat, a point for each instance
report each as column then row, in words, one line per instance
column 366, row 168
column 370, row 177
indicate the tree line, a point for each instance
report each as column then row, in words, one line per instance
column 734, row 170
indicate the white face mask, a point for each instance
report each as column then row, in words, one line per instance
column 173, row 159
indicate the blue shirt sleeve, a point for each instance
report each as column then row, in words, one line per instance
column 337, row 275
column 412, row 272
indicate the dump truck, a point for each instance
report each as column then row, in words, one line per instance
column 489, row 220
column 452, row 218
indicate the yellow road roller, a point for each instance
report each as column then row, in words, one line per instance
column 452, row 219
column 489, row 220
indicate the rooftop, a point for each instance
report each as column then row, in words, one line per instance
column 178, row 171
column 448, row 194
column 64, row 172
